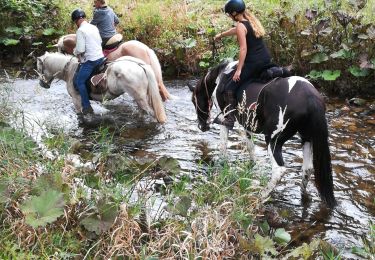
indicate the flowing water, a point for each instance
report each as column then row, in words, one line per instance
column 351, row 137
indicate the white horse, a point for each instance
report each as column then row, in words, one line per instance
column 136, row 49
column 126, row 74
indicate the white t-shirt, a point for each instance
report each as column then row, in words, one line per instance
column 89, row 42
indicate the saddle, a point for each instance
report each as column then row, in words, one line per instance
column 252, row 87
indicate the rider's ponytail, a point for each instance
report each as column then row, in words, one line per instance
column 255, row 24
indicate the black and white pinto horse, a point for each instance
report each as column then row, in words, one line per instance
column 278, row 109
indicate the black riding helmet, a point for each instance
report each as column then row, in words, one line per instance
column 78, row 14
column 232, row 6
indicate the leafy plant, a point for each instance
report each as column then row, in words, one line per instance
column 43, row 209
column 102, row 219
column 358, row 72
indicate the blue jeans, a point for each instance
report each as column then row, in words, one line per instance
column 84, row 72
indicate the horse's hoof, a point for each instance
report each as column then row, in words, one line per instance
column 87, row 110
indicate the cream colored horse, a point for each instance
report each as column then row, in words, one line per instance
column 67, row 43
column 126, row 74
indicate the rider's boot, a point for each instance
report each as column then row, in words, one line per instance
column 229, row 118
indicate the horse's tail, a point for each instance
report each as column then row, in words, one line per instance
column 154, row 97
column 60, row 45
column 321, row 152
column 155, row 65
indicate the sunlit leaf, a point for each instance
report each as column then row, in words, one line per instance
column 314, row 74
column 281, row 236
column 263, row 245
column 15, row 30
column 37, row 43
column 331, row 75
column 43, row 209
column 319, row 58
column 49, row 31
column 204, row 64
column 302, row 252
column 358, row 72
column 10, row 42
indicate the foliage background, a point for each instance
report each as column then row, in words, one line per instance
column 330, row 41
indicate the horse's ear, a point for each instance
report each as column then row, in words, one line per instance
column 191, row 87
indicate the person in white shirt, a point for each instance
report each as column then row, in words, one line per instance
column 90, row 55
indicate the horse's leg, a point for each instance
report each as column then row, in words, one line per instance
column 76, row 98
column 307, row 167
column 249, row 142
column 223, row 140
column 277, row 172
column 275, row 145
column 143, row 104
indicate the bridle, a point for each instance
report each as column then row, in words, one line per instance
column 47, row 83
column 209, row 99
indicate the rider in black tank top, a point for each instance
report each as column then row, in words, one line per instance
column 249, row 31
column 256, row 49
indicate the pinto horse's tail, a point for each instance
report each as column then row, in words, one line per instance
column 154, row 97
column 321, row 152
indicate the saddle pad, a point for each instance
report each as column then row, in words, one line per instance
column 98, row 84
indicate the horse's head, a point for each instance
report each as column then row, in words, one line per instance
column 202, row 95
column 54, row 65
column 202, row 104
column 45, row 75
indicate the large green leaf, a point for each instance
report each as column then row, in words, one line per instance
column 319, row 58
column 358, row 72
column 314, row 74
column 342, row 54
column 102, row 220
column 263, row 245
column 49, row 31
column 43, row 209
column 14, row 29
column 10, row 42
column 331, row 75
column 281, row 236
